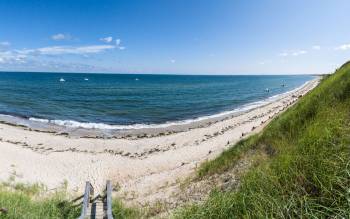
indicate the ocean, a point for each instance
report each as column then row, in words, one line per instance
column 131, row 101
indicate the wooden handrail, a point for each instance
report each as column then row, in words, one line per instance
column 89, row 192
column 109, row 199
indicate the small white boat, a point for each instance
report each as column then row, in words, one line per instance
column 86, row 79
column 136, row 79
column 62, row 80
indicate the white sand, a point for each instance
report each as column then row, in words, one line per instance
column 142, row 165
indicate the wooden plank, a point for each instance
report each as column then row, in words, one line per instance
column 109, row 199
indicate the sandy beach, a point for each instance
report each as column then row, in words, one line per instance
column 139, row 162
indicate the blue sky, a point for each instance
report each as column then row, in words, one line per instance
column 175, row 36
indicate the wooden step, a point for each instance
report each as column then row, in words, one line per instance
column 99, row 207
column 97, row 210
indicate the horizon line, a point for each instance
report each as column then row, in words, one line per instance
column 174, row 74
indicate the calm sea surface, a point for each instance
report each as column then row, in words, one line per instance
column 124, row 100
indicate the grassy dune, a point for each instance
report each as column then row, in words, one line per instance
column 304, row 167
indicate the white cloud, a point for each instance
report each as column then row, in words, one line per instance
column 172, row 60
column 283, row 54
column 52, row 66
column 299, row 52
column 343, row 47
column 5, row 43
column 61, row 36
column 264, row 62
column 18, row 56
column 293, row 53
column 107, row 39
column 59, row 50
column 316, row 47
column 10, row 56
column 118, row 44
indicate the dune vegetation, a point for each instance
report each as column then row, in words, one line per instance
column 302, row 167
column 19, row 200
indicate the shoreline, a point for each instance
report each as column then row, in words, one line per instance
column 142, row 167
column 135, row 130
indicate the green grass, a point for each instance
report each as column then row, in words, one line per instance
column 307, row 170
column 121, row 211
column 27, row 202
column 23, row 201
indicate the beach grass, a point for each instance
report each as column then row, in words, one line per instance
column 25, row 201
column 20, row 200
column 119, row 210
column 307, row 170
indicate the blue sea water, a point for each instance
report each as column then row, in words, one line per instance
column 130, row 100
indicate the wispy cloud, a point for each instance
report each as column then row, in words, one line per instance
column 299, row 52
column 172, row 60
column 11, row 56
column 61, row 36
column 5, row 43
column 54, row 66
column 61, row 50
column 293, row 53
column 107, row 39
column 283, row 54
column 343, row 47
column 316, row 47
column 21, row 55
column 118, row 44
column 263, row 62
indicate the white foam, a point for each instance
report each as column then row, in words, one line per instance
column 39, row 120
column 85, row 125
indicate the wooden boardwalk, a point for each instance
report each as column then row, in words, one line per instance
column 98, row 207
